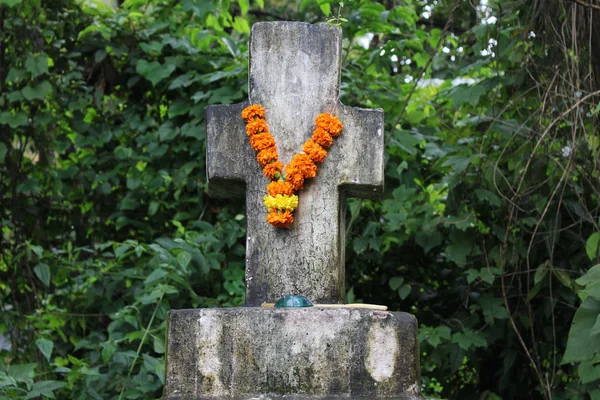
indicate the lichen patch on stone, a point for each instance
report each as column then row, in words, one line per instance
column 382, row 352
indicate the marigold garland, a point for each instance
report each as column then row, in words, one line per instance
column 282, row 200
column 314, row 151
column 322, row 137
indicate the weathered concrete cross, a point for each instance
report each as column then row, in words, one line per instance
column 295, row 75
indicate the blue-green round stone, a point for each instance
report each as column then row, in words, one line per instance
column 293, row 301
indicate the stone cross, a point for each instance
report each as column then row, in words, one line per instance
column 294, row 73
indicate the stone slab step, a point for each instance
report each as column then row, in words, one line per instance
column 291, row 354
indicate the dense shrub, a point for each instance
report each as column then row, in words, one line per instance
column 488, row 222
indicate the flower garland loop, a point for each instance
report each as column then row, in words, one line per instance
column 282, row 200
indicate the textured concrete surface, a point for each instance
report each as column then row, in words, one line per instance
column 303, row 353
column 295, row 74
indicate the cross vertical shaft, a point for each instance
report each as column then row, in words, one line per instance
column 294, row 73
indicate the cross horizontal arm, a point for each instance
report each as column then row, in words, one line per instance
column 229, row 154
column 361, row 171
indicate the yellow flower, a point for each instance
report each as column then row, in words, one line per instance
column 281, row 202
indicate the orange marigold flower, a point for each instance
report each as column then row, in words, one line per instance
column 280, row 187
column 314, row 151
column 330, row 123
column 262, row 141
column 280, row 220
column 254, row 110
column 322, row 137
column 256, row 126
column 304, row 165
column 270, row 170
column 295, row 177
column 267, row 155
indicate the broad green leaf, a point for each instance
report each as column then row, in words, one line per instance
column 472, row 275
column 350, row 296
column 179, row 107
column 541, row 271
column 435, row 335
column 241, row 25
column 493, row 308
column 183, row 259
column 404, row 291
column 592, row 290
column 123, row 153
column 468, row 338
column 16, row 75
column 153, row 207
column 121, row 250
column 596, row 109
column 467, row 94
column 199, row 96
column 415, row 116
column 156, row 275
column 406, row 140
column 458, row 252
column 21, row 372
column 396, row 282
column 159, row 370
column 153, row 47
column 37, row 64
column 591, row 246
column 134, row 182
column 428, row 239
column 486, row 195
column 38, row 251
column 184, row 80
column 154, row 71
column 325, row 7
column 42, row 271
column 14, row 96
column 244, row 5
column 167, row 131
column 13, row 120
column 261, row 3
column 93, row 393
column 44, row 388
column 159, row 345
column 201, row 8
column 152, row 297
column 37, row 92
column 580, row 346
column 122, row 222
column 486, row 274
column 107, row 352
column 45, row 346
column 590, row 277
column 150, row 362
column 563, row 277
column 459, row 163
column 100, row 55
column 11, row 3
column 596, row 328
column 588, row 371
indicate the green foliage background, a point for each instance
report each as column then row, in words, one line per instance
column 487, row 230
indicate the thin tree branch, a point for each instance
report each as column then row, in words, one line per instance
column 585, row 4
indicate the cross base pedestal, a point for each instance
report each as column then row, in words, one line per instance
column 297, row 354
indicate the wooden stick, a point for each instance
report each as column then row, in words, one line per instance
column 354, row 305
